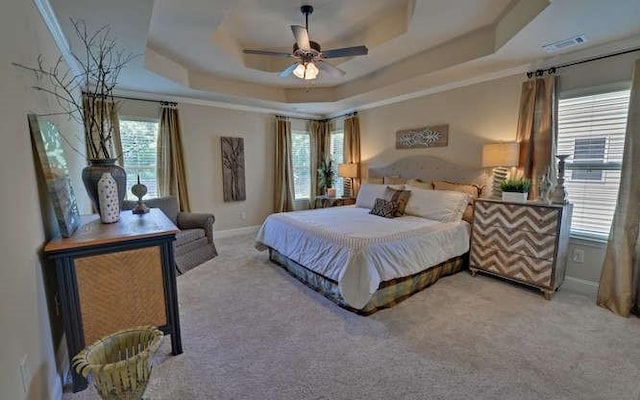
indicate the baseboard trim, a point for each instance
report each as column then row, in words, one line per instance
column 581, row 286
column 235, row 232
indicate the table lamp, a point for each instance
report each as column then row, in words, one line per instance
column 348, row 171
column 500, row 156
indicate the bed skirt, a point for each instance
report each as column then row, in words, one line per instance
column 389, row 293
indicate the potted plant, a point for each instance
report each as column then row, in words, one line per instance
column 94, row 74
column 326, row 176
column 515, row 189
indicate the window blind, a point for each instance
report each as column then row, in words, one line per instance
column 337, row 155
column 139, row 144
column 301, row 158
column 592, row 129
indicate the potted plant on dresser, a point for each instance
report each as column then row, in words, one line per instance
column 515, row 189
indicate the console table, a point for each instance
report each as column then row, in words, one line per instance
column 114, row 276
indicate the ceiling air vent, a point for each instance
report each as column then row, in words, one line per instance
column 563, row 44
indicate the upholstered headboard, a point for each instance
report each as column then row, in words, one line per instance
column 429, row 169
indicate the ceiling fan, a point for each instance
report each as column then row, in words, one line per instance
column 309, row 55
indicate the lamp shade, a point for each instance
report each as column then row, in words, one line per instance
column 348, row 170
column 306, row 71
column 500, row 155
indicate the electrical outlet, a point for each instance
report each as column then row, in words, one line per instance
column 243, row 215
column 24, row 374
column 578, row 256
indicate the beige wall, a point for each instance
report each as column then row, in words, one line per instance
column 202, row 128
column 478, row 114
column 27, row 328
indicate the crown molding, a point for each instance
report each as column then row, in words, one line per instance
column 51, row 21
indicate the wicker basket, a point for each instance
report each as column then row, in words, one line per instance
column 120, row 363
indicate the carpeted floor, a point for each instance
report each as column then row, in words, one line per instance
column 250, row 331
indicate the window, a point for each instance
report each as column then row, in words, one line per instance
column 337, row 155
column 587, row 152
column 139, row 144
column 301, row 158
column 591, row 129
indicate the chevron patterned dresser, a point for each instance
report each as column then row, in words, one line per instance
column 522, row 242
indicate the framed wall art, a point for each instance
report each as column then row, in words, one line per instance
column 53, row 164
column 424, row 137
column 233, row 181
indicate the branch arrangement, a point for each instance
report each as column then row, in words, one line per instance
column 100, row 66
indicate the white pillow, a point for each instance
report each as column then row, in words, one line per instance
column 438, row 205
column 369, row 192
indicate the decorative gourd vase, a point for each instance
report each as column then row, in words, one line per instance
column 139, row 190
column 92, row 173
column 108, row 199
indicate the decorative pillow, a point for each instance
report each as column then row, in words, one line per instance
column 397, row 196
column 393, row 180
column 368, row 194
column 419, row 184
column 385, row 208
column 473, row 190
column 438, row 205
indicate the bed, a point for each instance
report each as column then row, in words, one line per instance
column 364, row 262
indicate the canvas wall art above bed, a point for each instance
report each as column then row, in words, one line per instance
column 365, row 262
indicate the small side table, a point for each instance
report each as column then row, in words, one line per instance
column 325, row 201
column 115, row 276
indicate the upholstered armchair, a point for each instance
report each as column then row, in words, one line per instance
column 194, row 243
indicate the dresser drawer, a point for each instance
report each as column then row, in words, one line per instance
column 527, row 243
column 516, row 266
column 527, row 217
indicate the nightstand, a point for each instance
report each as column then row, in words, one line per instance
column 325, row 201
column 521, row 242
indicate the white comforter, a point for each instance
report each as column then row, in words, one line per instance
column 359, row 250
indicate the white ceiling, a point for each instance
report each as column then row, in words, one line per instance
column 193, row 48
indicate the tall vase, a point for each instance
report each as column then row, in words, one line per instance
column 108, row 198
column 559, row 194
column 92, row 173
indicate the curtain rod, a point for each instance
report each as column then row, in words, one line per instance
column 351, row 114
column 347, row 115
column 553, row 70
column 161, row 102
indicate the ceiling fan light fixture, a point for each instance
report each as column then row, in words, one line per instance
column 306, row 71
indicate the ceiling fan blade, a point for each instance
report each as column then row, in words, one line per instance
column 346, row 52
column 288, row 70
column 329, row 69
column 302, row 37
column 266, row 53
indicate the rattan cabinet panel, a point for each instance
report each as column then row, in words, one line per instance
column 523, row 242
column 120, row 290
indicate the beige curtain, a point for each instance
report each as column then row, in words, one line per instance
column 619, row 289
column 172, row 177
column 283, row 182
column 104, row 113
column 352, row 147
column 537, row 131
column 320, row 150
